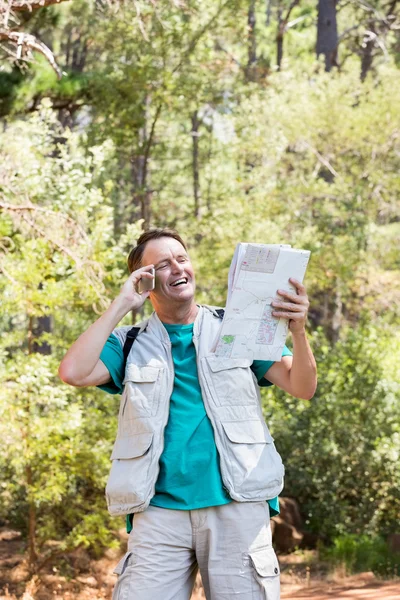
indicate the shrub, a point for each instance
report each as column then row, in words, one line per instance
column 359, row 553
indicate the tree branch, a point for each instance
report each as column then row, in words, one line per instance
column 321, row 159
column 199, row 34
column 21, row 5
column 150, row 140
column 26, row 42
column 291, row 7
column 47, row 211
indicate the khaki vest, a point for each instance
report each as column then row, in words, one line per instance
column 251, row 467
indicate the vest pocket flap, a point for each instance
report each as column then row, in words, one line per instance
column 132, row 446
column 265, row 562
column 144, row 374
column 247, row 432
column 222, row 364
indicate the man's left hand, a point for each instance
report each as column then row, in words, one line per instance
column 293, row 307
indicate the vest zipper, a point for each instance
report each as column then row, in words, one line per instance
column 164, row 424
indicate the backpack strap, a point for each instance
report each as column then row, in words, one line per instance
column 134, row 331
column 130, row 338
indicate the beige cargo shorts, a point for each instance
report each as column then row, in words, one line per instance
column 230, row 544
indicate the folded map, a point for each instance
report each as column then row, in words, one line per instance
column 257, row 271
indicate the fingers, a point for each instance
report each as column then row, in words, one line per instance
column 145, row 270
column 301, row 290
column 142, row 272
column 292, row 306
column 289, row 315
column 299, row 298
column 288, row 306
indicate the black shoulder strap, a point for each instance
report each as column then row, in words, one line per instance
column 130, row 338
column 133, row 333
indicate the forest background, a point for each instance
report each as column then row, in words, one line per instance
column 242, row 120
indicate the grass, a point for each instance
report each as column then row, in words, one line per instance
column 359, row 553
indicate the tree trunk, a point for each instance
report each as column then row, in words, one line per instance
column 120, row 202
column 251, row 43
column 337, row 316
column 282, row 25
column 327, row 36
column 209, row 157
column 279, row 39
column 268, row 12
column 36, row 327
column 32, row 553
column 195, row 163
column 141, row 198
column 367, row 55
column 42, row 325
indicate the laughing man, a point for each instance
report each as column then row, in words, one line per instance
column 193, row 461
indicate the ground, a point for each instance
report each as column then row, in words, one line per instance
column 79, row 577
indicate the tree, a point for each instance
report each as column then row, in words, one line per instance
column 157, row 124
column 57, row 256
column 20, row 45
column 327, row 35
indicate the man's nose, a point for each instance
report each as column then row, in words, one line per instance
column 177, row 267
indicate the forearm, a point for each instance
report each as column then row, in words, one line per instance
column 83, row 355
column 303, row 372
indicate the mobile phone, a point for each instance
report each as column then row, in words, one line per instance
column 145, row 284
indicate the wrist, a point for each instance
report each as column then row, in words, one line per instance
column 300, row 334
column 120, row 306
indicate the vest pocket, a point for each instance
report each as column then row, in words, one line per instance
column 253, row 459
column 142, row 391
column 131, row 447
column 127, row 486
column 231, row 381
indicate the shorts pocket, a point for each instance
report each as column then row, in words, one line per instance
column 122, row 587
column 266, row 572
column 121, row 566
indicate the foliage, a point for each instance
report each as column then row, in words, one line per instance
column 358, row 553
column 58, row 256
column 160, row 119
column 342, row 448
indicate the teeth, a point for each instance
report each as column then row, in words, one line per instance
column 183, row 280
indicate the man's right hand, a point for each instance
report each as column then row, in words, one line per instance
column 81, row 366
column 129, row 294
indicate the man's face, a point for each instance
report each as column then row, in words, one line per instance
column 175, row 281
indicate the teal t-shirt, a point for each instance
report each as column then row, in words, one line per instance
column 189, row 476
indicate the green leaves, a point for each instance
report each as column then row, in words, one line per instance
column 57, row 254
column 341, row 449
column 297, row 156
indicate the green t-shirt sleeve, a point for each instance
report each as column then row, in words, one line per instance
column 260, row 367
column 274, row 506
column 112, row 356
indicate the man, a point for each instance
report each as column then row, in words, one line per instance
column 193, row 459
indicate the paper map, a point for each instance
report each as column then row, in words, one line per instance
column 257, row 271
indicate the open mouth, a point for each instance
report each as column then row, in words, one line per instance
column 178, row 282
